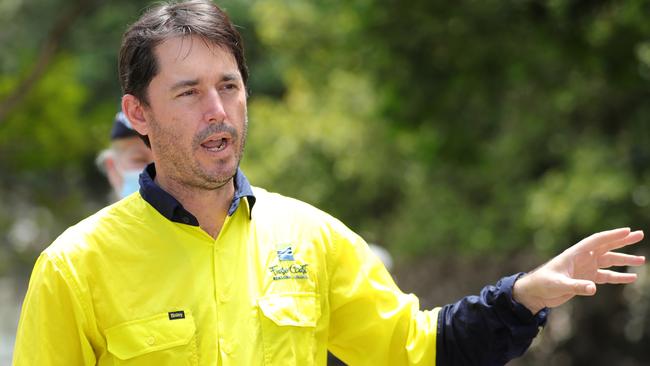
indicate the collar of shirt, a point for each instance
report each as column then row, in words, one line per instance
column 169, row 207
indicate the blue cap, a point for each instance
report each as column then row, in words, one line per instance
column 122, row 127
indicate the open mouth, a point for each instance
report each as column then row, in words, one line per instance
column 215, row 145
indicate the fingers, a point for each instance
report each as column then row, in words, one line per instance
column 633, row 237
column 609, row 240
column 595, row 240
column 607, row 276
column 611, row 259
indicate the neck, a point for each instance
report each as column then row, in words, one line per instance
column 209, row 206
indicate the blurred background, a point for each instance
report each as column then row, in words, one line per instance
column 470, row 140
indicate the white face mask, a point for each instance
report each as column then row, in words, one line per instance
column 130, row 182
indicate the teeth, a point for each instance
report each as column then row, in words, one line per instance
column 221, row 146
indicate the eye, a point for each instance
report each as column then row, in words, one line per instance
column 229, row 87
column 187, row 93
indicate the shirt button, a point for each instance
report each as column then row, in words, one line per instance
column 151, row 341
column 186, row 220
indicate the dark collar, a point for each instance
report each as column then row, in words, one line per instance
column 169, row 207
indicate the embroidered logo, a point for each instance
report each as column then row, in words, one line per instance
column 294, row 271
column 287, row 271
column 285, row 253
column 176, row 315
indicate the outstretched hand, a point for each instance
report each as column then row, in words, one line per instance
column 577, row 270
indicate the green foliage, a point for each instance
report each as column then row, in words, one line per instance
column 502, row 124
column 50, row 130
column 479, row 128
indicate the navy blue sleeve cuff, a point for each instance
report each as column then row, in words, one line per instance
column 508, row 284
column 490, row 329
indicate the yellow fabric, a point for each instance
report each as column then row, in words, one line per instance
column 110, row 289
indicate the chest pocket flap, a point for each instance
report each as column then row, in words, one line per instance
column 291, row 309
column 155, row 333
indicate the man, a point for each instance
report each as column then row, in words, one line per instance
column 125, row 159
column 199, row 268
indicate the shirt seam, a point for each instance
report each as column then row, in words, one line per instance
column 69, row 281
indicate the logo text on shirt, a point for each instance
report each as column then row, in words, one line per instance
column 294, row 271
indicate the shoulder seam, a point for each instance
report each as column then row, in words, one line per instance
column 71, row 283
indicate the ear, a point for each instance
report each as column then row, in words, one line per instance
column 134, row 111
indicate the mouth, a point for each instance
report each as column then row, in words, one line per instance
column 216, row 143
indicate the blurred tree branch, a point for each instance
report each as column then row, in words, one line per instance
column 47, row 52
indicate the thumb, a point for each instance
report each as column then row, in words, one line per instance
column 581, row 287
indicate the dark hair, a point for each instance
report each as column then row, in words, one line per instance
column 137, row 61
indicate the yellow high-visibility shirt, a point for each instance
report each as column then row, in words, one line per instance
column 279, row 286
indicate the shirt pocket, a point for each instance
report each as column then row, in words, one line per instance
column 161, row 339
column 288, row 324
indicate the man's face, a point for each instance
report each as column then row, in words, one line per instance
column 197, row 113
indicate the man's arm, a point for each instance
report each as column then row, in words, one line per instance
column 51, row 330
column 489, row 329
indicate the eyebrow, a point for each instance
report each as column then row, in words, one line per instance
column 231, row 76
column 194, row 82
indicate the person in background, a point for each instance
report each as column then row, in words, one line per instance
column 125, row 159
column 201, row 268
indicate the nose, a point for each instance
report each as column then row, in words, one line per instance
column 214, row 109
